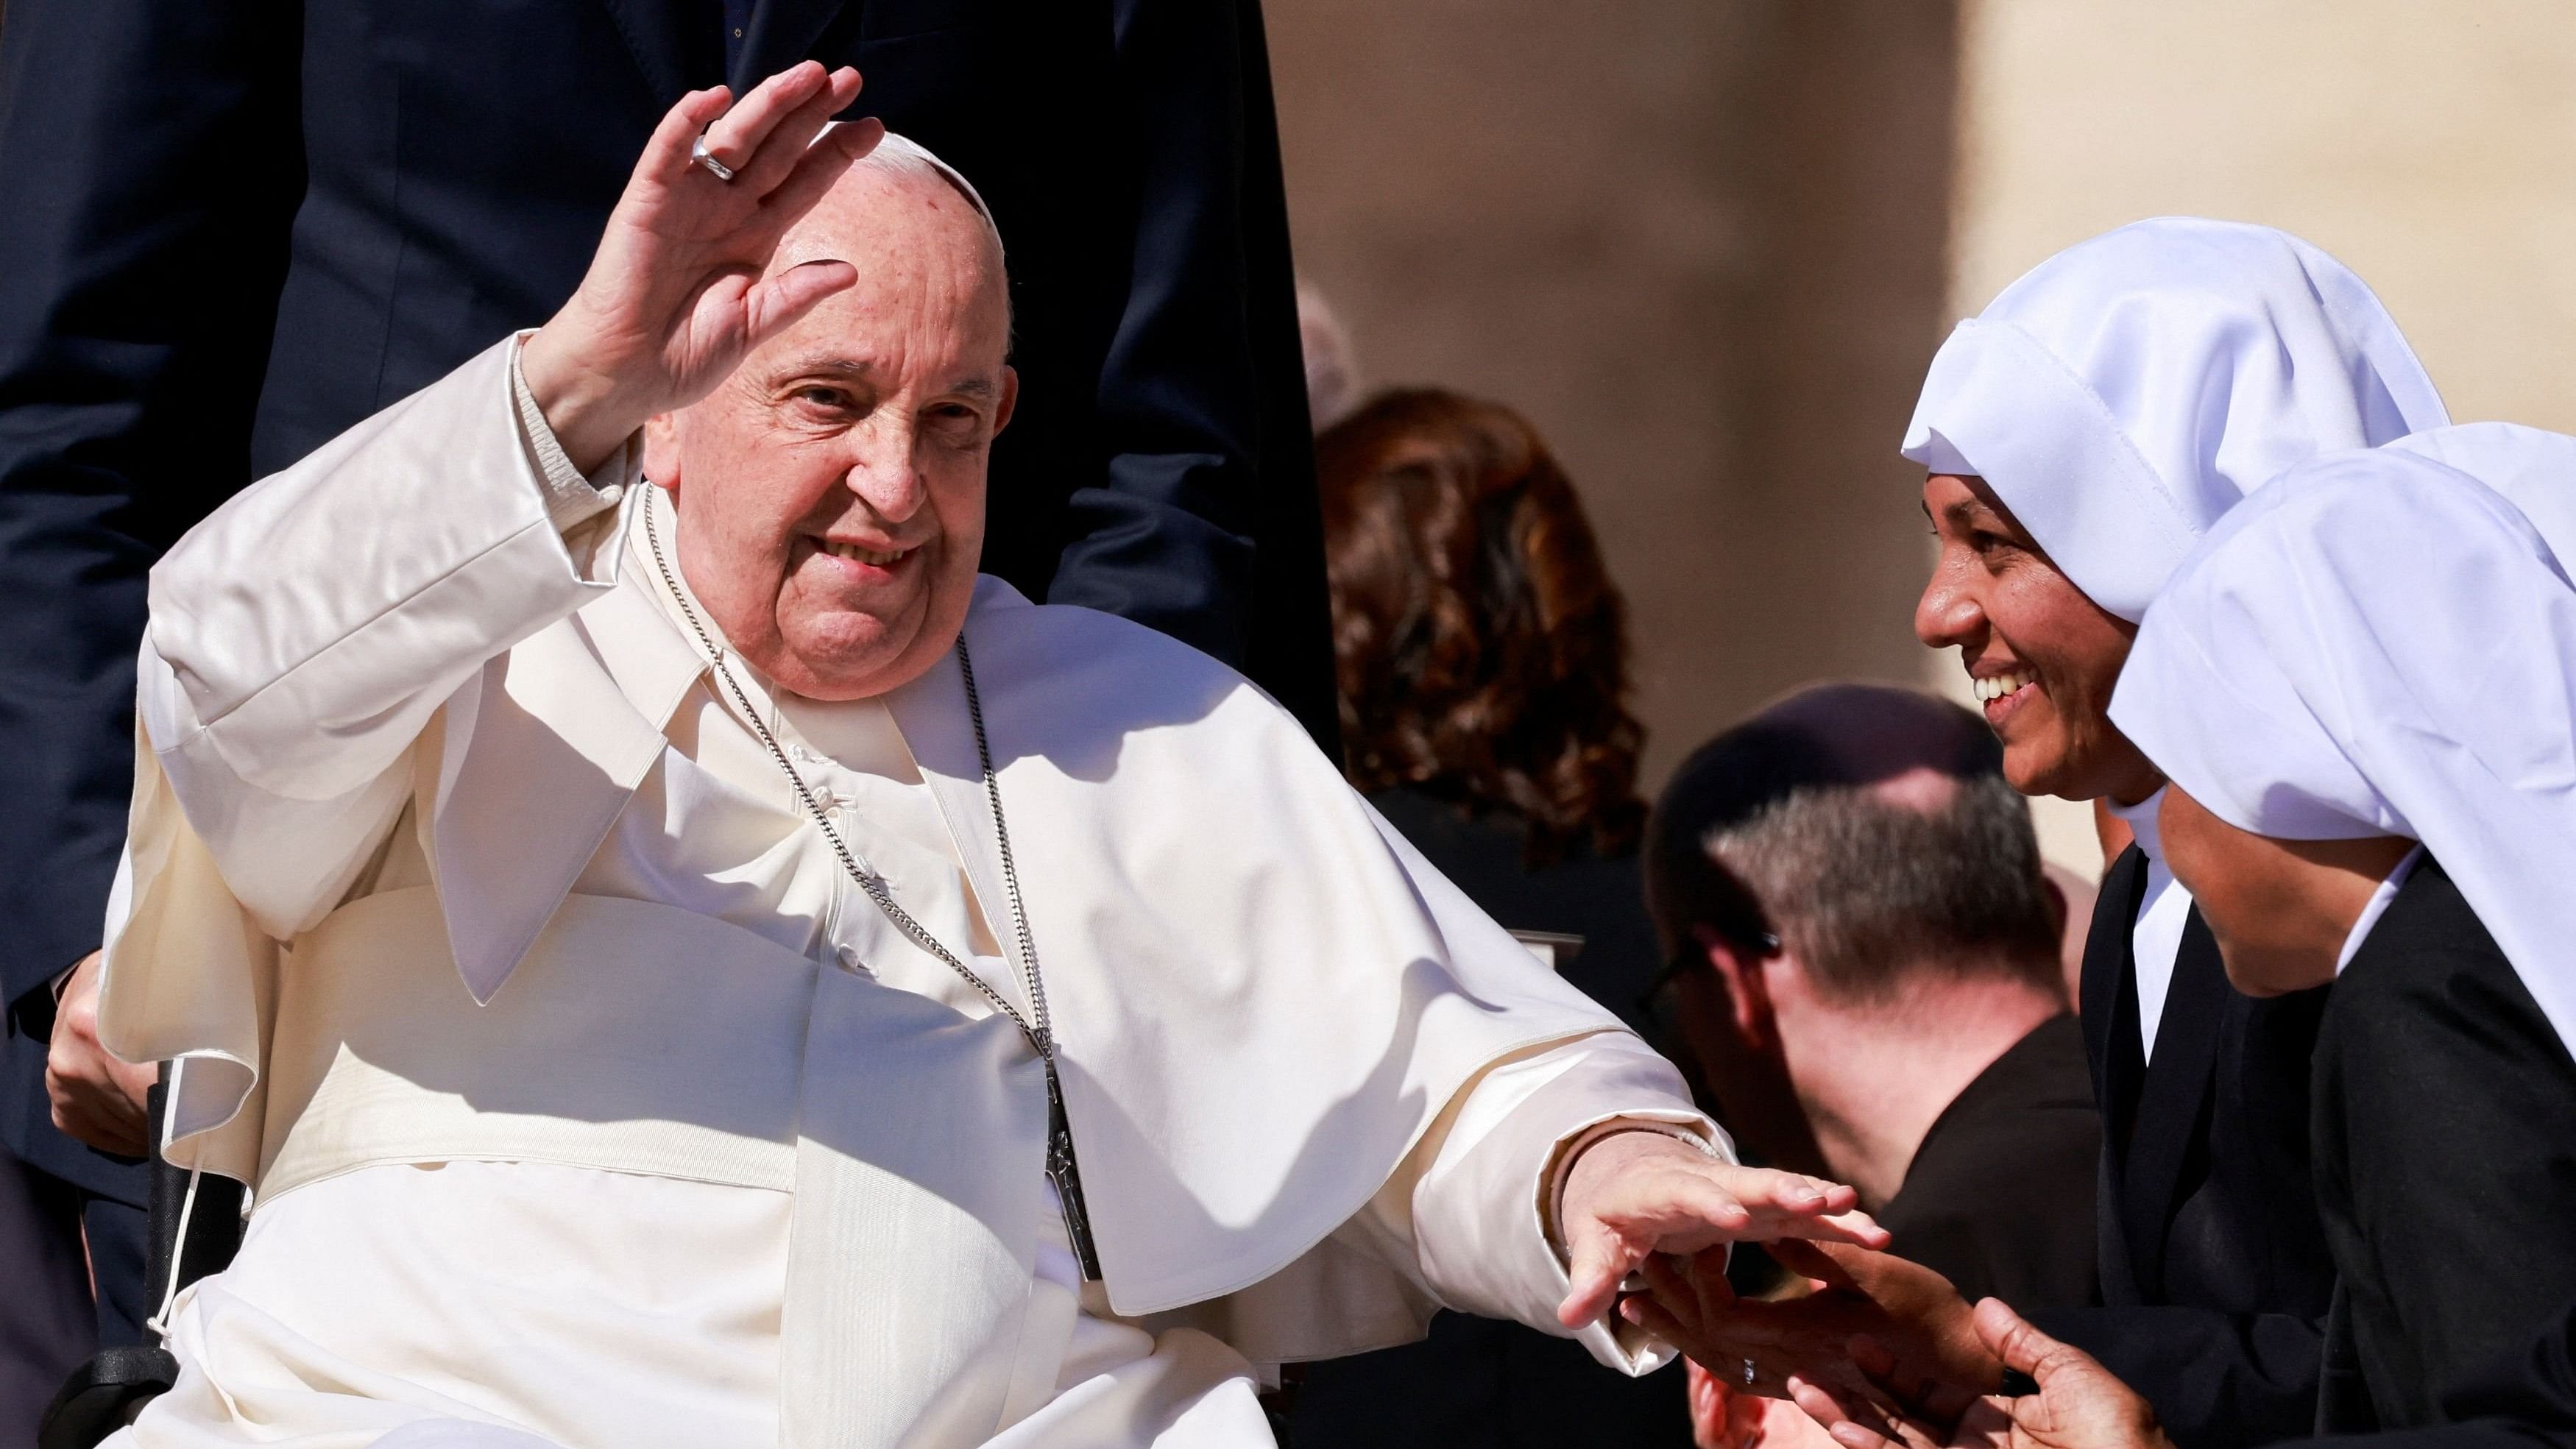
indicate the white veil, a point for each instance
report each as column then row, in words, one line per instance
column 2128, row 391
column 2380, row 644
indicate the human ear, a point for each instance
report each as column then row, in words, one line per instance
column 662, row 451
column 1010, row 398
column 1748, row 993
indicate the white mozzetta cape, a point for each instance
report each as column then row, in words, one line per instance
column 1263, row 996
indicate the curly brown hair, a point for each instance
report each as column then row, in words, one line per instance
column 1479, row 644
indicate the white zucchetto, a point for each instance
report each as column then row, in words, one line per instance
column 2380, row 644
column 2129, row 390
column 895, row 151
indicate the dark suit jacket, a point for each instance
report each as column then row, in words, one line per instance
column 2215, row 1276
column 229, row 229
column 1476, row 1383
column 1999, row 1197
column 2446, row 1161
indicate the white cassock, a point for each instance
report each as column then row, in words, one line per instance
column 586, row 1099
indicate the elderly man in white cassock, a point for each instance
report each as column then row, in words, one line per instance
column 694, row 964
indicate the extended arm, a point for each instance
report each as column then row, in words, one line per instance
column 1558, row 1170
column 2211, row 1373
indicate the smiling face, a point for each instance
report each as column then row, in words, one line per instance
column 2042, row 656
column 831, row 491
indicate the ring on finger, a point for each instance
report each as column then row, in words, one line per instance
column 699, row 155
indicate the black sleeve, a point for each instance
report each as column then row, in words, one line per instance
column 2217, row 1379
column 2446, row 1153
column 149, row 167
column 2475, row 1434
column 1209, row 494
column 2520, row 1400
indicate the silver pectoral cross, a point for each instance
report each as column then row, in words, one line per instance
column 1067, row 1177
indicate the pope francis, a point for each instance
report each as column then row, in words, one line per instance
column 688, row 962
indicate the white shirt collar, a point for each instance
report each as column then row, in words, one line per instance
column 2377, row 906
column 2155, row 936
column 2141, row 820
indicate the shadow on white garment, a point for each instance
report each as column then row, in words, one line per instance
column 419, row 1434
column 461, row 1434
column 1122, row 1389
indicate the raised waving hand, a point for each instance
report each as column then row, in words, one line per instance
column 674, row 297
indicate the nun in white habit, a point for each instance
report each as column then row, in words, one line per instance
column 2116, row 401
column 2363, row 692
column 689, row 963
column 2079, row 437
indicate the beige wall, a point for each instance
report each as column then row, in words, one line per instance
column 2430, row 144
column 1709, row 244
column 1700, row 244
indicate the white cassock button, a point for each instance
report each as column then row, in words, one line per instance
column 612, row 492
column 850, row 962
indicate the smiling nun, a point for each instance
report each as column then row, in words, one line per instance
column 2080, row 437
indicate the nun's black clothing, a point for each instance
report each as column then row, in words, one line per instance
column 2445, row 1162
column 2215, row 1274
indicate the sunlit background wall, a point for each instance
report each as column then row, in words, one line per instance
column 1708, row 246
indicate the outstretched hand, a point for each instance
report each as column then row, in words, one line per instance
column 2079, row 1405
column 1914, row 1315
column 673, row 298
column 1638, row 1194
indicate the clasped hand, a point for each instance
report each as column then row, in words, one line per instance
column 1885, row 1354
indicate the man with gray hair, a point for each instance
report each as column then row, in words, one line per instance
column 681, row 959
column 1865, row 974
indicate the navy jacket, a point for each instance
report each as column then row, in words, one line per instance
column 229, row 229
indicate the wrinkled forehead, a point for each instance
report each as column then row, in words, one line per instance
column 899, row 214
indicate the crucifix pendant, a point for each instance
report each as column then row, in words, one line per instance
column 1062, row 1172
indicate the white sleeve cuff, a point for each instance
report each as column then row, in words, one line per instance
column 571, row 498
column 1483, row 1212
column 1551, row 1203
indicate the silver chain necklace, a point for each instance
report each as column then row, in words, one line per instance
column 1040, row 1033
